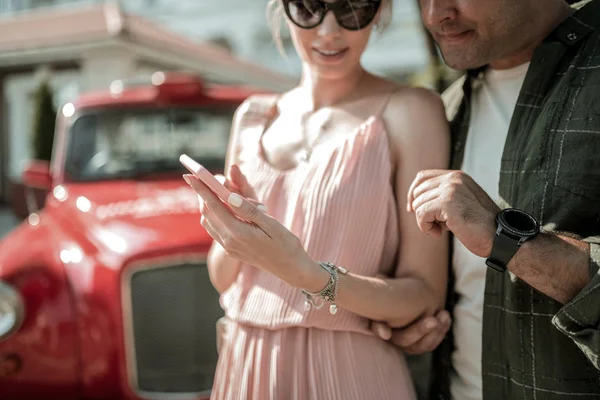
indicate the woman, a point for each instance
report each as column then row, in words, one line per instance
column 331, row 161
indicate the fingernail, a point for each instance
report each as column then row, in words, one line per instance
column 384, row 332
column 262, row 208
column 187, row 180
column 235, row 200
column 430, row 324
column 445, row 319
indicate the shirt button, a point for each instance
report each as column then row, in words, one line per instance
column 572, row 36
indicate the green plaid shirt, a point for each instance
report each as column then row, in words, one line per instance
column 534, row 347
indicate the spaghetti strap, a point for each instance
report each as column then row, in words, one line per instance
column 385, row 102
column 259, row 113
column 269, row 114
column 254, row 114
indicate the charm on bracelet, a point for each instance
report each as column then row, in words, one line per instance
column 329, row 292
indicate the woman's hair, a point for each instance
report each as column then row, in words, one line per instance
column 275, row 16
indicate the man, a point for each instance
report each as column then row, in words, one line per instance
column 526, row 129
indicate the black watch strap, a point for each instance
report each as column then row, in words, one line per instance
column 503, row 250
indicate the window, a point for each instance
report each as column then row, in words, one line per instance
column 126, row 144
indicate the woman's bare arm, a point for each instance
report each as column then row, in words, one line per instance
column 419, row 138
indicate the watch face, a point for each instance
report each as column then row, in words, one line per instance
column 518, row 222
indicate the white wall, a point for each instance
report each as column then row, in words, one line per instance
column 98, row 69
column 101, row 67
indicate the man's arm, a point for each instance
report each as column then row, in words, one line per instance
column 557, row 265
column 560, row 266
column 566, row 269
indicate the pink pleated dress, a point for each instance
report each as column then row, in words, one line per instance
column 342, row 208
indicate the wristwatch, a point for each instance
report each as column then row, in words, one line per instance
column 515, row 227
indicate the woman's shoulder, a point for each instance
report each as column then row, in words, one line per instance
column 254, row 112
column 257, row 109
column 410, row 106
column 415, row 118
column 257, row 104
column 411, row 98
column 397, row 96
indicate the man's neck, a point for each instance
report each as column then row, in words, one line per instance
column 525, row 53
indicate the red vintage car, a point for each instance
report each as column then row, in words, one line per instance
column 104, row 294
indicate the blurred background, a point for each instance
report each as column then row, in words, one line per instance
column 81, row 45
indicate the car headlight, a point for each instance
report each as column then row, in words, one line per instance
column 12, row 310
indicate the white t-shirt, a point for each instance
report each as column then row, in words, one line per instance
column 493, row 104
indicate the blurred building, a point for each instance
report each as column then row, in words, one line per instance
column 80, row 46
column 85, row 44
column 241, row 25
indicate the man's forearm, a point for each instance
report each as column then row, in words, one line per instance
column 557, row 266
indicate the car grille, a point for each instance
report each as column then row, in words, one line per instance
column 174, row 310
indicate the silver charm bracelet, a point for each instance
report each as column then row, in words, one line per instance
column 329, row 292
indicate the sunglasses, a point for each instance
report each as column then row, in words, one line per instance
column 352, row 15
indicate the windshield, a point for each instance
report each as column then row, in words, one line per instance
column 126, row 144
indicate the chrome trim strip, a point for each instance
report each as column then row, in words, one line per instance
column 127, row 310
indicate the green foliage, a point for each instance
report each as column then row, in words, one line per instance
column 44, row 123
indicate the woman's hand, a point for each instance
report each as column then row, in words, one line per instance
column 236, row 182
column 223, row 269
column 255, row 238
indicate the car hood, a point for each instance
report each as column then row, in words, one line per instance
column 133, row 216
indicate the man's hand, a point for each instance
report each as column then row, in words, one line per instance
column 452, row 200
column 423, row 336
